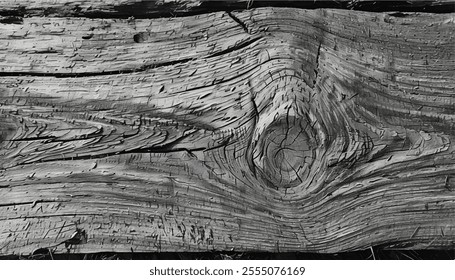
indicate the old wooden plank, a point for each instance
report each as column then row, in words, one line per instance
column 147, row 145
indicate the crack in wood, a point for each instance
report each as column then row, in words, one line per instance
column 316, row 68
column 237, row 47
column 241, row 23
column 94, row 74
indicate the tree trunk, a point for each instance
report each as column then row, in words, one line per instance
column 271, row 129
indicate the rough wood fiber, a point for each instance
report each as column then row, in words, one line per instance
column 267, row 129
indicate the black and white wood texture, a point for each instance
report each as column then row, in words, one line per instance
column 266, row 129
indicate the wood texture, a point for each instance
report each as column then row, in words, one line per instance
column 267, row 129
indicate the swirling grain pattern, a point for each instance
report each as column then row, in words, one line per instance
column 268, row 129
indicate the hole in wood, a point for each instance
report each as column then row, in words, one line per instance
column 138, row 38
column 88, row 36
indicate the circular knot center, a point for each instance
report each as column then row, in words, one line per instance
column 285, row 150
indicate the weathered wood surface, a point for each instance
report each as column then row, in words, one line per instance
column 267, row 129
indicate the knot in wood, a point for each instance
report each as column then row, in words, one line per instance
column 285, row 148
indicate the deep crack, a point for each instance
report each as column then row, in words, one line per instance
column 241, row 23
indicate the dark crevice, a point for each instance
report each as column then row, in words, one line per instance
column 241, row 23
column 33, row 203
column 34, row 139
column 53, row 139
column 133, row 151
column 88, row 36
column 157, row 9
column 12, row 20
column 399, row 14
column 167, row 148
column 15, row 204
column 316, row 68
column 366, row 254
column 48, row 51
column 402, row 6
column 235, row 48
column 92, row 74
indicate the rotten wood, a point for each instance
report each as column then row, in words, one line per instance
column 269, row 129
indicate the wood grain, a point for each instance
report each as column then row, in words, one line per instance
column 268, row 129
